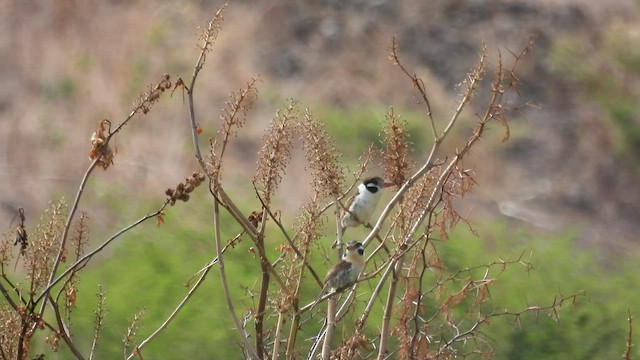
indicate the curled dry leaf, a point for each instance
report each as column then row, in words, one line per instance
column 99, row 146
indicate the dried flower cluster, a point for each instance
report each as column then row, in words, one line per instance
column 44, row 245
column 100, row 146
column 396, row 151
column 457, row 185
column 152, row 95
column 210, row 34
column 233, row 117
column 323, row 158
column 79, row 240
column 11, row 325
column 276, row 151
column 182, row 191
column 357, row 346
column 415, row 202
column 132, row 329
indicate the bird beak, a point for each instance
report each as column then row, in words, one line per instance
column 387, row 184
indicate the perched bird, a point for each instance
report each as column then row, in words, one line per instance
column 345, row 273
column 363, row 203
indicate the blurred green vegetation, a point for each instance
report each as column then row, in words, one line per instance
column 60, row 87
column 595, row 327
column 356, row 128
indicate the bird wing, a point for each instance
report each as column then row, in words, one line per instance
column 350, row 200
column 335, row 270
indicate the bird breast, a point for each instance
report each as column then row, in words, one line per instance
column 363, row 205
column 347, row 276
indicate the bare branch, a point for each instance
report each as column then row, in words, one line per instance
column 629, row 343
column 100, row 314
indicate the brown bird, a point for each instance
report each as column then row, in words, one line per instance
column 345, row 273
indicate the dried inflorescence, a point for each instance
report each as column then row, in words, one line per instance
column 311, row 224
column 79, row 240
column 459, row 182
column 415, row 201
column 210, row 34
column 133, row 327
column 45, row 242
column 5, row 250
column 323, row 158
column 471, row 82
column 276, row 151
column 182, row 191
column 354, row 347
column 152, row 95
column 396, row 151
column 10, row 321
column 233, row 116
column 100, row 146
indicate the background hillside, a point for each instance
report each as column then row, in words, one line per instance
column 572, row 159
column 568, row 175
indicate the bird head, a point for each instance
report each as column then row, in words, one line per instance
column 355, row 252
column 376, row 183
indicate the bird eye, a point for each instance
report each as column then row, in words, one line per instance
column 361, row 251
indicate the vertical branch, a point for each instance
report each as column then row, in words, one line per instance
column 276, row 336
column 264, row 289
column 131, row 332
column 629, row 344
column 208, row 38
column 100, row 314
column 388, row 310
column 225, row 285
column 331, row 325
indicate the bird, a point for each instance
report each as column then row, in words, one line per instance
column 363, row 203
column 345, row 272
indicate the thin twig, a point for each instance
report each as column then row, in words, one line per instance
column 288, row 238
column 100, row 314
column 174, row 313
column 84, row 259
column 63, row 330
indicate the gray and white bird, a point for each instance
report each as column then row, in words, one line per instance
column 363, row 203
column 344, row 273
